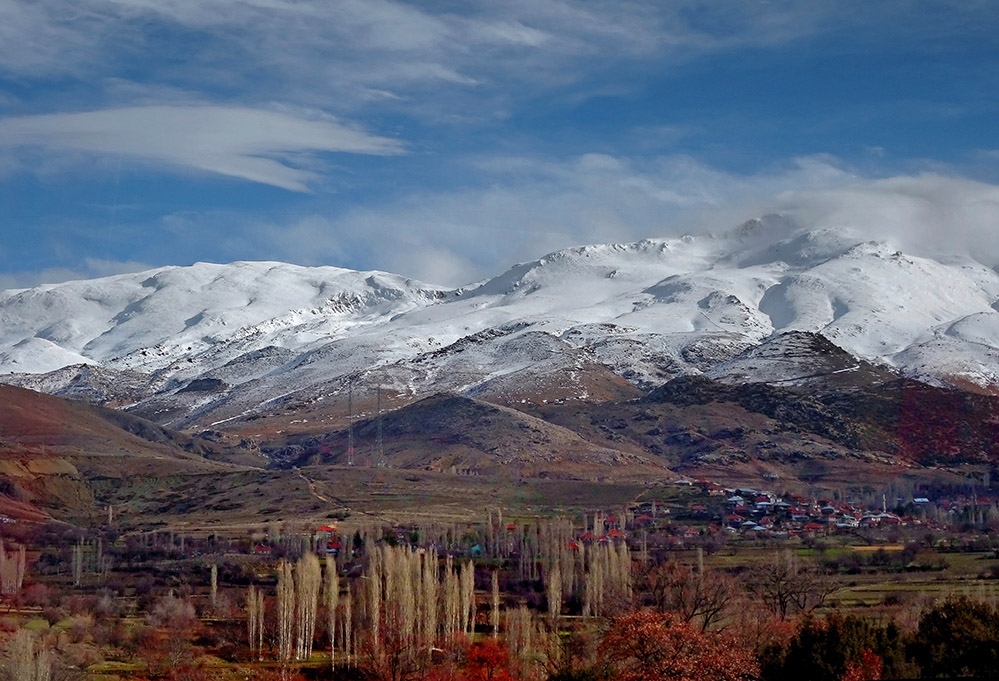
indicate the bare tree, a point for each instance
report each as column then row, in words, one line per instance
column 452, row 598
column 214, row 584
column 429, row 608
column 553, row 590
column 331, row 592
column 495, row 614
column 252, row 619
column 286, row 609
column 308, row 578
column 785, row 587
column 467, row 597
column 26, row 659
column 521, row 638
column 348, row 622
column 692, row 595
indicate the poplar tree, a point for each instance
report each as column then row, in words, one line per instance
column 495, row 614
column 553, row 589
column 429, row 597
column 255, row 620
column 331, row 591
column 452, row 598
column 348, row 622
column 308, row 578
column 373, row 602
column 215, row 585
column 468, row 597
column 286, row 609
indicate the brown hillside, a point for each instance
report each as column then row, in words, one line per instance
column 452, row 433
column 50, row 448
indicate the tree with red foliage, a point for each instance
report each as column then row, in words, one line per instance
column 655, row 646
column 486, row 661
column 867, row 668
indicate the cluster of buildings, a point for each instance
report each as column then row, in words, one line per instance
column 752, row 511
column 765, row 514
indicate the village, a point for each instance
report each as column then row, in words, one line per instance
column 701, row 509
column 220, row 605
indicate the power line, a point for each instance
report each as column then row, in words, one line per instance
column 350, row 424
column 381, row 450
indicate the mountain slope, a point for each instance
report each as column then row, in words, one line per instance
column 50, row 448
column 218, row 345
column 451, row 433
column 149, row 320
column 833, row 434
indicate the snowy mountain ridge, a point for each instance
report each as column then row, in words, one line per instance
column 256, row 333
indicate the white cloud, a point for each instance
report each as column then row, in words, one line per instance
column 333, row 55
column 528, row 207
column 253, row 144
column 523, row 207
column 926, row 214
column 92, row 267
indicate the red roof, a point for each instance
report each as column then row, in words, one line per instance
column 573, row 545
column 615, row 533
column 511, row 526
column 326, row 528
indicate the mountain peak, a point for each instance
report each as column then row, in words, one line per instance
column 762, row 303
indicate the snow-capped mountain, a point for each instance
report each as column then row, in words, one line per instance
column 209, row 343
column 149, row 320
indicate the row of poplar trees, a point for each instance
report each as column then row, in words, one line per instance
column 408, row 601
column 403, row 601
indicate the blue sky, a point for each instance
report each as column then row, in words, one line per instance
column 447, row 140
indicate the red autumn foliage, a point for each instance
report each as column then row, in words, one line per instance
column 486, row 661
column 756, row 627
column 653, row 646
column 868, row 668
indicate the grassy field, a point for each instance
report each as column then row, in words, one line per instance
column 234, row 502
column 245, row 502
column 952, row 574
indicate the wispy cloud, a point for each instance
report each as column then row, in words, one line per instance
column 522, row 207
column 426, row 61
column 88, row 269
column 531, row 206
column 253, row 144
column 347, row 54
column 267, row 90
